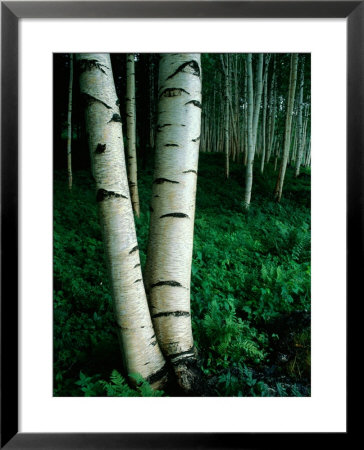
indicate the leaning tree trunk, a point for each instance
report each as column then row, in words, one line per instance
column 168, row 271
column 105, row 139
column 69, row 125
column 287, row 135
column 131, row 133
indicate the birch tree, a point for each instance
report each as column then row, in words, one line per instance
column 300, row 128
column 225, row 67
column 253, row 117
column 131, row 133
column 287, row 133
column 139, row 345
column 265, row 102
column 168, row 270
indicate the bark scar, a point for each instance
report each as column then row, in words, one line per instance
column 103, row 194
column 176, row 214
column 171, row 313
column 164, row 180
column 167, row 283
column 195, row 103
column 191, row 67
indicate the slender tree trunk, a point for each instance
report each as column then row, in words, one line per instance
column 300, row 129
column 246, row 151
column 253, row 127
column 131, row 133
column 287, row 136
column 265, row 102
column 69, row 125
column 140, row 349
column 225, row 66
column 249, row 164
column 169, row 258
column 273, row 110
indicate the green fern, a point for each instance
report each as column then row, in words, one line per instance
column 118, row 386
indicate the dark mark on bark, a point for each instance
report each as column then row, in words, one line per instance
column 88, row 99
column 117, row 103
column 171, row 313
column 190, row 352
column 151, row 209
column 136, row 265
column 191, row 67
column 156, row 196
column 156, row 376
column 171, row 145
column 115, row 118
column 190, row 171
column 102, row 195
column 153, row 343
column 177, row 214
column 89, row 64
column 100, row 148
column 159, row 127
column 136, row 281
column 134, row 249
column 197, row 139
column 166, row 283
column 172, row 92
column 194, row 102
column 164, row 180
column 146, row 363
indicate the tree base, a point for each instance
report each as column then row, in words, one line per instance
column 187, row 380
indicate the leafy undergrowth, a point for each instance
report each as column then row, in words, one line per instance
column 250, row 291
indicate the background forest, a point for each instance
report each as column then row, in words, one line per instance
column 250, row 273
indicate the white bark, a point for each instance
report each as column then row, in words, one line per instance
column 168, row 271
column 253, row 116
column 131, row 133
column 287, row 134
column 225, row 67
column 265, row 101
column 105, row 139
column 300, row 128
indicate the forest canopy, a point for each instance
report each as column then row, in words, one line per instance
column 182, row 224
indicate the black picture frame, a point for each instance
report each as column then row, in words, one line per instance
column 11, row 12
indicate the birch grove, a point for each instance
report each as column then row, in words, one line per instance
column 250, row 117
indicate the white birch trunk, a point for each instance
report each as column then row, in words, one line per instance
column 225, row 66
column 254, row 126
column 265, row 102
column 250, row 149
column 287, row 135
column 300, row 128
column 168, row 271
column 105, row 139
column 131, row 133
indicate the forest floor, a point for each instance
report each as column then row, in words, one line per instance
column 250, row 289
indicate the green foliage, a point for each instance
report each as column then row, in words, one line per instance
column 118, row 387
column 249, row 270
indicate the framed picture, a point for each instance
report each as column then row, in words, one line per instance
column 25, row 42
